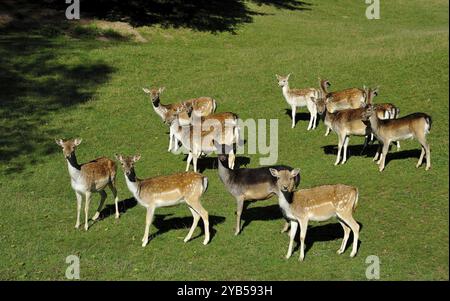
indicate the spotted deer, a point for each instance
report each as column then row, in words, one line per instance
column 344, row 123
column 385, row 111
column 201, row 106
column 164, row 191
column 299, row 98
column 246, row 184
column 197, row 134
column 351, row 98
column 318, row 204
column 88, row 178
column 415, row 125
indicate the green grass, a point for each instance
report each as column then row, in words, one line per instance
column 59, row 86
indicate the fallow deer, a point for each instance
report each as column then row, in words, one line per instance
column 351, row 98
column 197, row 134
column 89, row 178
column 415, row 125
column 344, row 123
column 316, row 204
column 247, row 184
column 386, row 111
column 164, row 191
column 299, row 98
column 201, row 106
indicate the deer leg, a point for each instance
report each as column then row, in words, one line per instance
column 285, row 227
column 148, row 222
column 294, row 226
column 116, row 198
column 327, row 132
column 398, row 145
column 196, row 217
column 428, row 154
column 170, row 140
column 86, row 210
column 231, row 159
column 205, row 217
column 366, row 142
column 175, row 143
column 426, row 149
column 340, row 142
column 377, row 154
column 350, row 221
column 194, row 202
column 79, row 200
column 195, row 161
column 240, row 206
column 293, row 108
column 345, row 149
column 100, row 206
column 188, row 161
column 383, row 155
column 422, row 153
column 346, row 235
column 303, row 228
column 312, row 114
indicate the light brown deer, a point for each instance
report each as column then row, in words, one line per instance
column 197, row 134
column 89, row 178
column 416, row 125
column 386, row 111
column 299, row 98
column 201, row 106
column 344, row 123
column 164, row 191
column 351, row 98
column 317, row 204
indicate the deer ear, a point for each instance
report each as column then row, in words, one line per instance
column 160, row 90
column 146, row 90
column 136, row 158
column 77, row 141
column 59, row 142
column 118, row 157
column 375, row 91
column 287, row 77
column 295, row 172
column 274, row 172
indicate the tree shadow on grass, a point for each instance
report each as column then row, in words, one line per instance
column 201, row 15
column 164, row 225
column 35, row 85
column 39, row 77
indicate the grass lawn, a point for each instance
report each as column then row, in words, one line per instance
column 59, row 85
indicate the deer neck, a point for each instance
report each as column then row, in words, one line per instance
column 132, row 183
column 286, row 91
column 159, row 108
column 324, row 88
column 285, row 200
column 374, row 122
column 224, row 172
column 73, row 166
